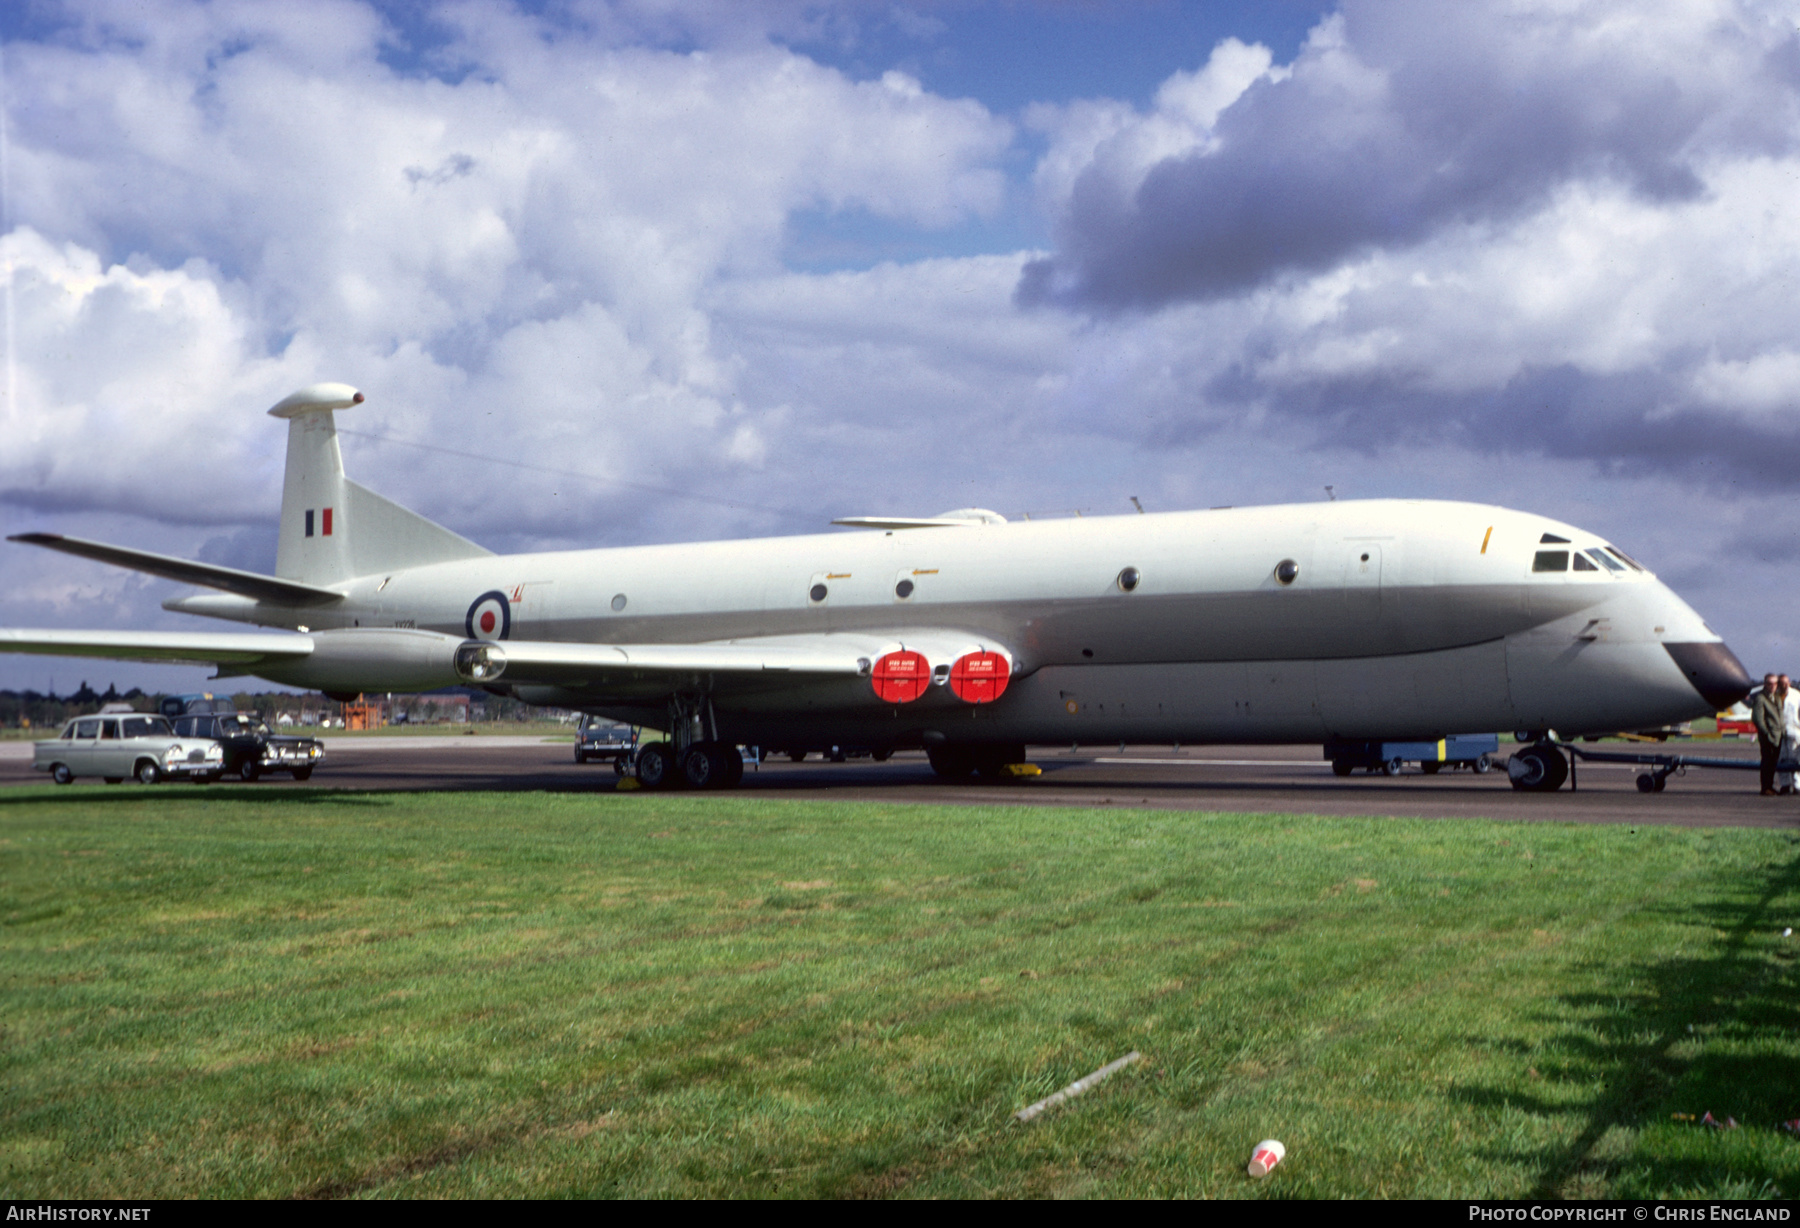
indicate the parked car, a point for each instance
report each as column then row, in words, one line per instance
column 598, row 740
column 251, row 749
column 114, row 747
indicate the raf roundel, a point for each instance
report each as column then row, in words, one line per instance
column 490, row 618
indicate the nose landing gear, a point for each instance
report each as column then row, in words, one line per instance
column 1539, row 768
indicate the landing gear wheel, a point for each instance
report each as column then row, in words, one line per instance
column 992, row 761
column 1538, row 769
column 951, row 762
column 703, row 767
column 62, row 775
column 249, row 772
column 147, row 773
column 882, row 755
column 734, row 766
column 797, row 756
column 1342, row 767
column 656, row 765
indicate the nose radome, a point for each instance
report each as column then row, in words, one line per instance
column 1715, row 672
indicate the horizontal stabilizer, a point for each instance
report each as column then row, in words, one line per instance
column 229, row 579
column 163, row 647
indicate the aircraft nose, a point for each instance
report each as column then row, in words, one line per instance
column 1715, row 672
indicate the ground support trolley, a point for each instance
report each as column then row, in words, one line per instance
column 1473, row 751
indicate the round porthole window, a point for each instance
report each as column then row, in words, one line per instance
column 618, row 602
column 1128, row 579
column 1286, row 570
column 818, row 592
column 903, row 589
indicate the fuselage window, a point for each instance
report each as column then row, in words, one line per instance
column 1581, row 564
column 1551, row 560
column 1604, row 561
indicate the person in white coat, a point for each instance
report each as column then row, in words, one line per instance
column 1790, row 732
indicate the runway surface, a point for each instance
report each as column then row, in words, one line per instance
column 1255, row 779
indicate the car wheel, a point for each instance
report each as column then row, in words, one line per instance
column 250, row 771
column 302, row 773
column 147, row 773
column 580, row 758
column 112, row 780
column 1342, row 767
column 62, row 775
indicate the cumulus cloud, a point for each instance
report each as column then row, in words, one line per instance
column 1399, row 119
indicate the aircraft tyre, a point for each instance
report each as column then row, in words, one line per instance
column 712, row 765
column 1538, row 769
column 62, row 775
column 992, row 761
column 147, row 773
column 656, row 765
column 951, row 762
column 796, row 756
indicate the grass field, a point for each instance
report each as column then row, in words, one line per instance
column 242, row 992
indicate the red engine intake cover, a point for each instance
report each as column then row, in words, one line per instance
column 901, row 677
column 980, row 677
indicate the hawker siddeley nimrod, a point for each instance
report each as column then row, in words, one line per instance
column 964, row 634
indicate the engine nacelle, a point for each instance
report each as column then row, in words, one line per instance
column 372, row 659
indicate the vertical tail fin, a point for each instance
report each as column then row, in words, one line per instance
column 332, row 529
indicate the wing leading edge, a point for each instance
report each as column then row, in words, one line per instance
column 267, row 589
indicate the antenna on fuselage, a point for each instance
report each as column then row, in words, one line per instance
column 1136, row 504
column 1331, row 493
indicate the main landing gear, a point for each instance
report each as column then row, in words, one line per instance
column 691, row 760
column 961, row 762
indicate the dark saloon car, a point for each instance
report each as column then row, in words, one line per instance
column 251, row 750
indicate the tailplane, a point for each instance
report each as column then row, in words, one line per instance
column 333, row 529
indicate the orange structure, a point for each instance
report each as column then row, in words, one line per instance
column 359, row 713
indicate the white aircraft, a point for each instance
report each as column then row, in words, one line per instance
column 964, row 634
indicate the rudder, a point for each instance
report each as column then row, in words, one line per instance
column 333, row 529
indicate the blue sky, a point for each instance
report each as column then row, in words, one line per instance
column 1525, row 254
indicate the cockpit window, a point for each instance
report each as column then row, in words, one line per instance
column 1625, row 558
column 1604, row 561
column 1551, row 560
column 1581, row 564
column 1548, row 538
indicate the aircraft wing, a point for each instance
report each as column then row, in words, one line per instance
column 229, row 579
column 752, row 664
column 242, row 648
column 551, row 663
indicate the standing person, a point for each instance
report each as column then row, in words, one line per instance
column 1766, row 715
column 1790, row 730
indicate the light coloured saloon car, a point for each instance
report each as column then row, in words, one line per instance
column 114, row 747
